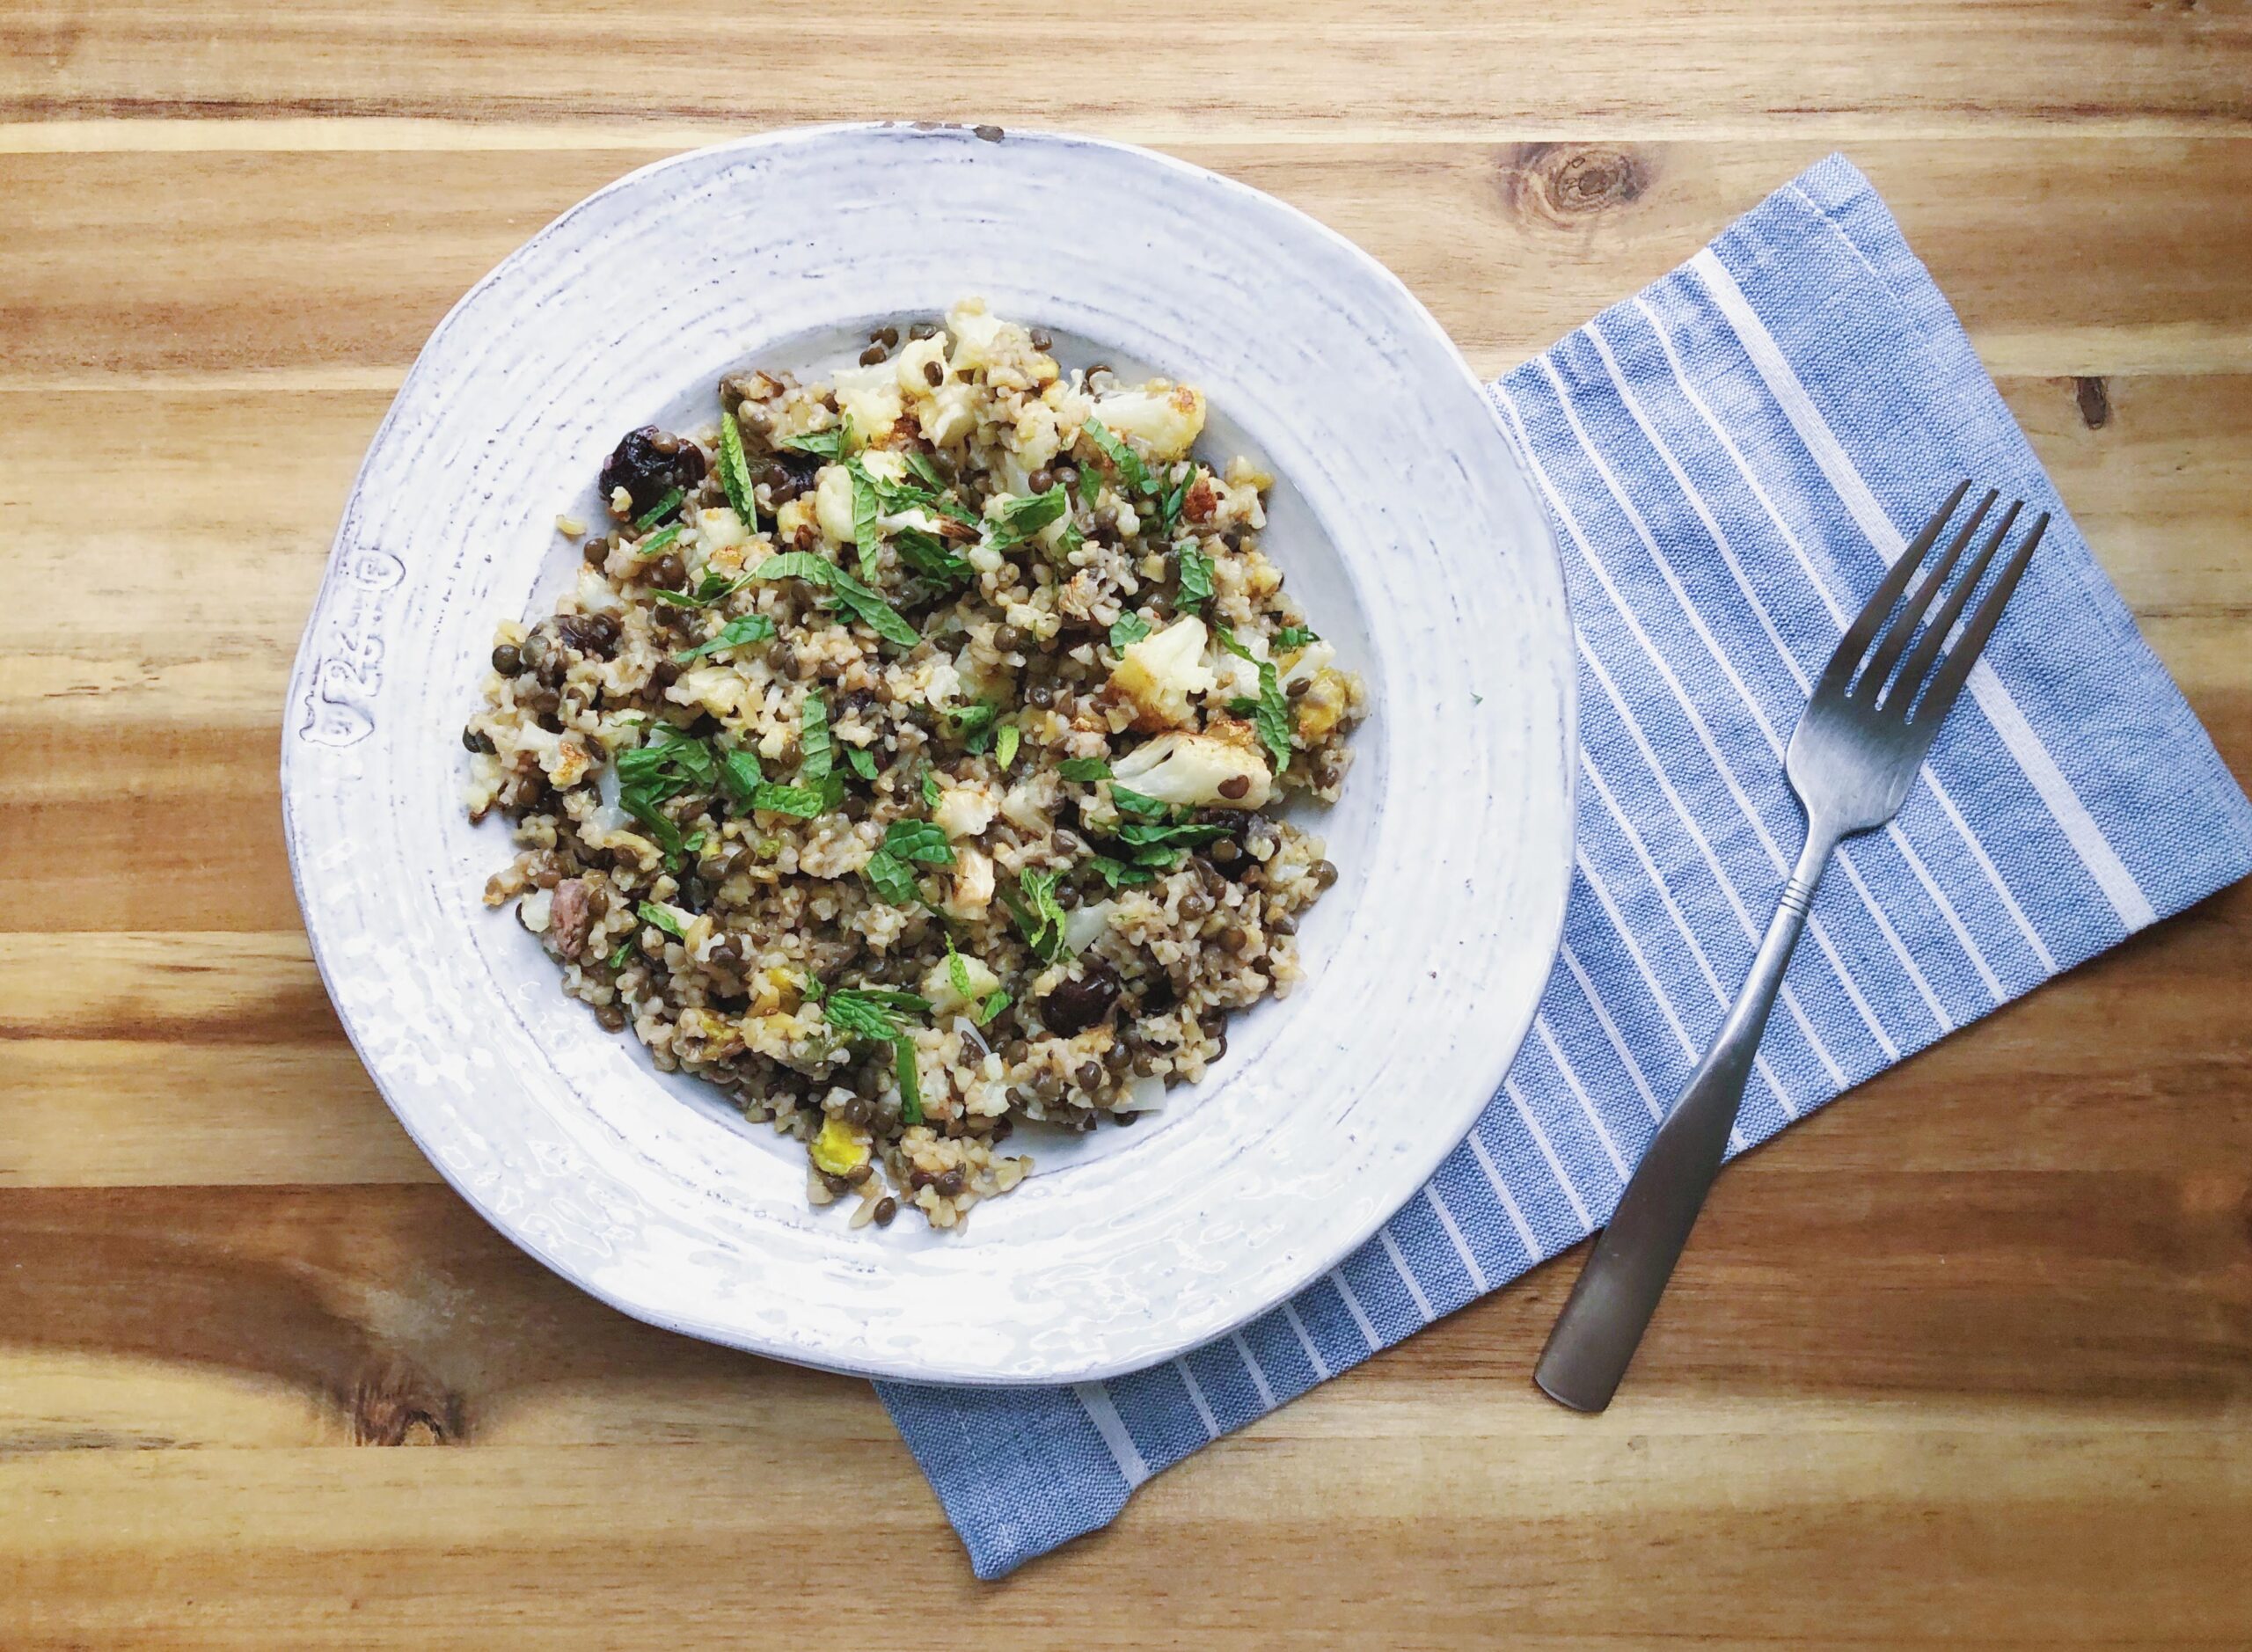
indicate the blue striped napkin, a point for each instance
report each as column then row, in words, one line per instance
column 1731, row 459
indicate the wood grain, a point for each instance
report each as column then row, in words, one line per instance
column 1967, row 1359
column 1174, row 72
column 332, row 267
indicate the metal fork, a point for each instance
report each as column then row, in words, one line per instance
column 1853, row 759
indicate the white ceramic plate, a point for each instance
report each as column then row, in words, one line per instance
column 1402, row 520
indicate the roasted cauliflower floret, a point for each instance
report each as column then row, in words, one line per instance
column 972, row 889
column 1160, row 672
column 1167, row 421
column 1206, row 771
column 964, row 811
column 832, row 503
column 947, row 999
column 869, row 396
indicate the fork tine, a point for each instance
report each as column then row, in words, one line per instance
column 1939, row 698
column 1919, row 663
column 1901, row 630
column 1857, row 635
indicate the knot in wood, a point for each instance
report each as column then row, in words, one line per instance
column 1565, row 184
column 395, row 1404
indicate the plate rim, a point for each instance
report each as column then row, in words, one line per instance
column 1333, row 1250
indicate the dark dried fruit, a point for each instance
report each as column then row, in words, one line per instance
column 1227, row 858
column 649, row 464
column 789, row 474
column 594, row 634
column 1078, row 1005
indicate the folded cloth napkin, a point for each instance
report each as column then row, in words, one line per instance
column 1731, row 459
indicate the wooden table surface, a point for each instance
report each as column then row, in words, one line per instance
column 1966, row 1359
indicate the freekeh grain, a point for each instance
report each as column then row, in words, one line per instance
column 934, row 794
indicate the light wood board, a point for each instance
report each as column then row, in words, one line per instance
column 1965, row 1360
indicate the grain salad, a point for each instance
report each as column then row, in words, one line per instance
column 905, row 757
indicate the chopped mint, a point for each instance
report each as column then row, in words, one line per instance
column 659, row 511
column 734, row 474
column 1128, row 463
column 816, row 752
column 735, row 633
column 1195, row 575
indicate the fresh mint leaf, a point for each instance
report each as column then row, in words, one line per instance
column 641, row 804
column 1128, row 463
column 865, row 606
column 920, row 463
column 1291, row 637
column 930, row 791
column 714, row 587
column 659, row 511
column 865, row 539
column 863, row 761
column 892, row 999
column 667, row 763
column 740, row 775
column 656, row 543
column 918, row 840
column 796, row 564
column 1039, row 915
column 1083, row 770
column 822, row 444
column 1090, row 486
column 928, row 554
column 1118, row 874
column 972, row 724
column 1150, row 835
column 856, row 1014
column 891, row 877
column 1169, row 501
column 1127, row 801
column 911, row 1089
column 622, row 956
column 1005, row 743
column 992, row 1006
column 801, row 801
column 878, row 615
column 1273, row 718
column 659, row 917
column 734, row 474
column 1195, row 575
column 1020, row 519
column 816, row 753
column 1227, row 639
column 735, row 633
column 1127, row 630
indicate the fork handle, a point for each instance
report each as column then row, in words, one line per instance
column 1595, row 1335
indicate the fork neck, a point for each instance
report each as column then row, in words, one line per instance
column 1822, row 840
column 1748, row 1015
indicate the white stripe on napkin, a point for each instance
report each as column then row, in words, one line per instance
column 1993, row 697
column 1108, row 1424
column 1927, row 775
